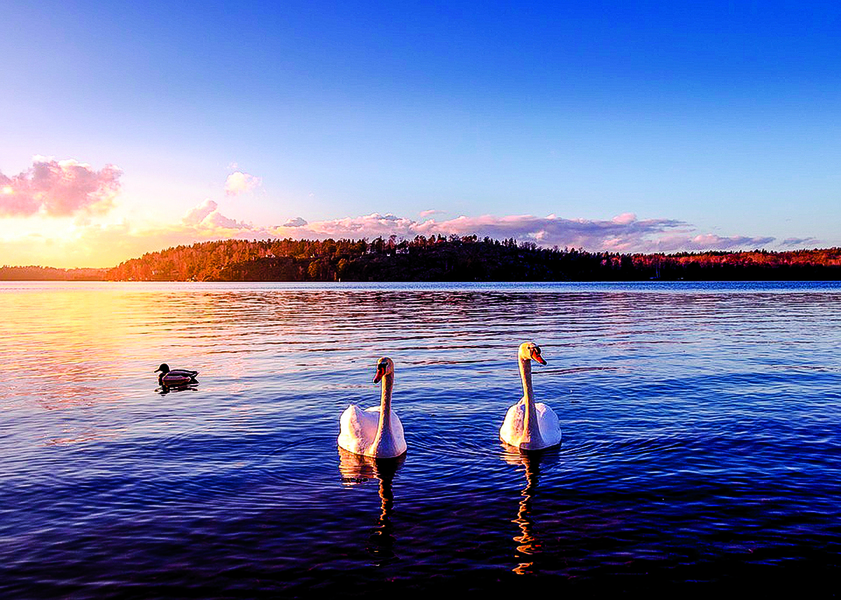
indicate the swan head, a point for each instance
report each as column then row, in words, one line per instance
column 385, row 366
column 531, row 351
column 163, row 369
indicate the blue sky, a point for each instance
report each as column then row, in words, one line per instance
column 606, row 125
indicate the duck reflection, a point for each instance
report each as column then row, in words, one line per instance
column 356, row 469
column 528, row 541
column 165, row 389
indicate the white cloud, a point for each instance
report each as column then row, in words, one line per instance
column 59, row 189
column 239, row 183
column 217, row 220
column 296, row 222
column 206, row 216
column 624, row 219
column 196, row 215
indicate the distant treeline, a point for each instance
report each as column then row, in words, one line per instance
column 459, row 259
column 33, row 273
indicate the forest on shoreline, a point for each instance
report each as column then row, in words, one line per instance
column 35, row 273
column 455, row 258
column 438, row 258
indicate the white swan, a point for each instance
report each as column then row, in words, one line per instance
column 366, row 432
column 530, row 425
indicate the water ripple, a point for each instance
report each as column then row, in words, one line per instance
column 700, row 437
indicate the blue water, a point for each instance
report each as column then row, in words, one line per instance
column 701, row 427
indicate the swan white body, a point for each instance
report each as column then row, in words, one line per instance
column 366, row 432
column 530, row 425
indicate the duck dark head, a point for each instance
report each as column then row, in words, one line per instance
column 164, row 368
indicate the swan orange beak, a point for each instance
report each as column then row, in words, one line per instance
column 380, row 373
column 536, row 356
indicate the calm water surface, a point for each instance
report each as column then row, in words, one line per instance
column 701, row 423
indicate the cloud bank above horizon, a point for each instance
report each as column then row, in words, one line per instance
column 623, row 233
column 109, row 244
column 64, row 191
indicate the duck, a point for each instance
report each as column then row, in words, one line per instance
column 530, row 425
column 376, row 431
column 175, row 377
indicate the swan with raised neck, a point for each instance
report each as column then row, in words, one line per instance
column 376, row 431
column 530, row 425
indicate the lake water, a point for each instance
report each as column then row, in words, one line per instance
column 701, row 439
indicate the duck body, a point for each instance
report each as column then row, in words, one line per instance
column 530, row 425
column 175, row 377
column 376, row 431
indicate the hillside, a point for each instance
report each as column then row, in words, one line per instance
column 459, row 259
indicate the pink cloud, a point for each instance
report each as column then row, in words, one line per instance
column 217, row 220
column 206, row 217
column 624, row 219
column 239, row 183
column 59, row 189
column 196, row 215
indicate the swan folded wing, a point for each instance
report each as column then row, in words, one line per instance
column 358, row 428
column 512, row 428
column 396, row 425
column 391, row 444
column 398, row 440
column 550, row 425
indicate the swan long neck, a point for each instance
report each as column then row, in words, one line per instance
column 525, row 375
column 384, row 428
column 530, row 424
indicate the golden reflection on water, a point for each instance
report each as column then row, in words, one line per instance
column 69, row 345
column 62, row 346
column 528, row 542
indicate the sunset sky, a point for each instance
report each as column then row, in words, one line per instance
column 128, row 127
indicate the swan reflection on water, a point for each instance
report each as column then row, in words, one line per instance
column 528, row 542
column 357, row 469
